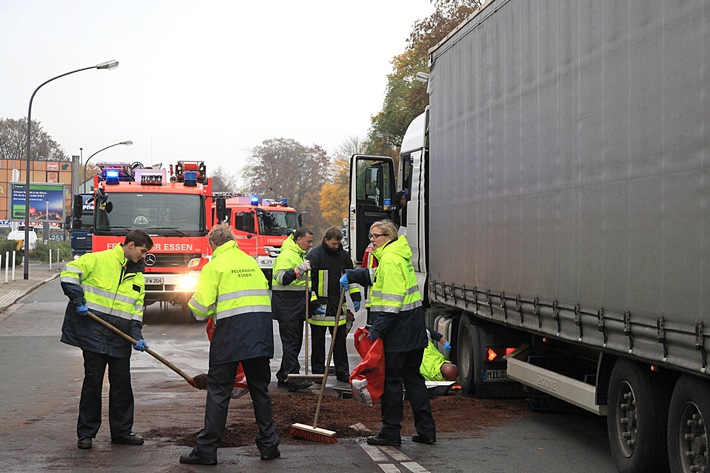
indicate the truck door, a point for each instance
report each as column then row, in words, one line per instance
column 371, row 190
column 245, row 231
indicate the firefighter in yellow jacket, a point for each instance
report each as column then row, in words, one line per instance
column 399, row 321
column 110, row 283
column 288, row 303
column 233, row 290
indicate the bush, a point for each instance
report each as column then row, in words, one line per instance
column 60, row 248
column 8, row 246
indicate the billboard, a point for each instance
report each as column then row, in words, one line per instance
column 46, row 202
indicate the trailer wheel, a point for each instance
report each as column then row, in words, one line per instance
column 468, row 364
column 636, row 419
column 687, row 431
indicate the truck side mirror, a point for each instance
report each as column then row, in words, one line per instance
column 221, row 209
column 77, row 210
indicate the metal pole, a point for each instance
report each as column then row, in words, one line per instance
column 127, row 143
column 103, row 65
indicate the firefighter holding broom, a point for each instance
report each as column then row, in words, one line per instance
column 110, row 283
column 233, row 291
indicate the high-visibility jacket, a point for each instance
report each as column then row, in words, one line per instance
column 431, row 363
column 233, row 290
column 113, row 288
column 395, row 299
column 288, row 293
column 327, row 266
column 369, row 262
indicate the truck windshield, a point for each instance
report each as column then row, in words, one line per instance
column 277, row 223
column 158, row 214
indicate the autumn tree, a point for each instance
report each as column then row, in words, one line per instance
column 334, row 195
column 282, row 167
column 13, row 142
column 406, row 97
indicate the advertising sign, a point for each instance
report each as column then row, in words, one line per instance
column 46, row 202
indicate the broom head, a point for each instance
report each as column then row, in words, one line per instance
column 308, row 432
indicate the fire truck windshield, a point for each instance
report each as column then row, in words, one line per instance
column 277, row 223
column 158, row 214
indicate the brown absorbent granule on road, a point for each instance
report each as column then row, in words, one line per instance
column 451, row 414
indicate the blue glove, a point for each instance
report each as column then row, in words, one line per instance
column 320, row 310
column 141, row 345
column 447, row 349
column 372, row 337
column 344, row 284
column 356, row 305
column 82, row 310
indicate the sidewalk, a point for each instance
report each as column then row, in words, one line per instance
column 11, row 291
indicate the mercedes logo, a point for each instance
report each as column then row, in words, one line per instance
column 150, row 259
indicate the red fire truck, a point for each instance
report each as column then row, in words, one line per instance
column 174, row 210
column 261, row 226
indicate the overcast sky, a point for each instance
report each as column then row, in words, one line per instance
column 200, row 80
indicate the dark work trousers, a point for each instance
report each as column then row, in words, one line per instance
column 291, row 333
column 340, row 351
column 120, row 395
column 404, row 368
column 220, row 381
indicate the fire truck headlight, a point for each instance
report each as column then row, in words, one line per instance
column 194, row 262
column 188, row 282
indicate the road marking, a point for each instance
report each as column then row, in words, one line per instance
column 395, row 454
column 379, row 456
column 388, row 468
column 374, row 453
column 414, row 467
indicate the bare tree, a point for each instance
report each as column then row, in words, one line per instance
column 223, row 180
column 282, row 167
column 13, row 142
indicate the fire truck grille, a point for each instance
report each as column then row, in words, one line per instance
column 172, row 260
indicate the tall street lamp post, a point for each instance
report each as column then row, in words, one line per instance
column 104, row 65
column 127, row 143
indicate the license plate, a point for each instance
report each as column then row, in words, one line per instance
column 153, row 281
column 495, row 375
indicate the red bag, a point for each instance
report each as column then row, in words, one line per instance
column 367, row 380
column 241, row 380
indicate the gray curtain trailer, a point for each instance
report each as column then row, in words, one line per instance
column 560, row 213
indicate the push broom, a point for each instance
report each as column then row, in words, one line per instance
column 199, row 381
column 313, row 432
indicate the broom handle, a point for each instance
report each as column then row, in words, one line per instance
column 330, row 354
column 306, row 327
column 133, row 342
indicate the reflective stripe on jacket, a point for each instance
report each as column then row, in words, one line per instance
column 288, row 299
column 108, row 287
column 395, row 288
column 113, row 289
column 233, row 290
column 327, row 266
column 396, row 301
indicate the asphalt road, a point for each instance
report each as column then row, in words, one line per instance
column 40, row 380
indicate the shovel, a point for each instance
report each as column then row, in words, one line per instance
column 199, row 381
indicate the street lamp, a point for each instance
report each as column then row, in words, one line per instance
column 104, row 65
column 127, row 143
